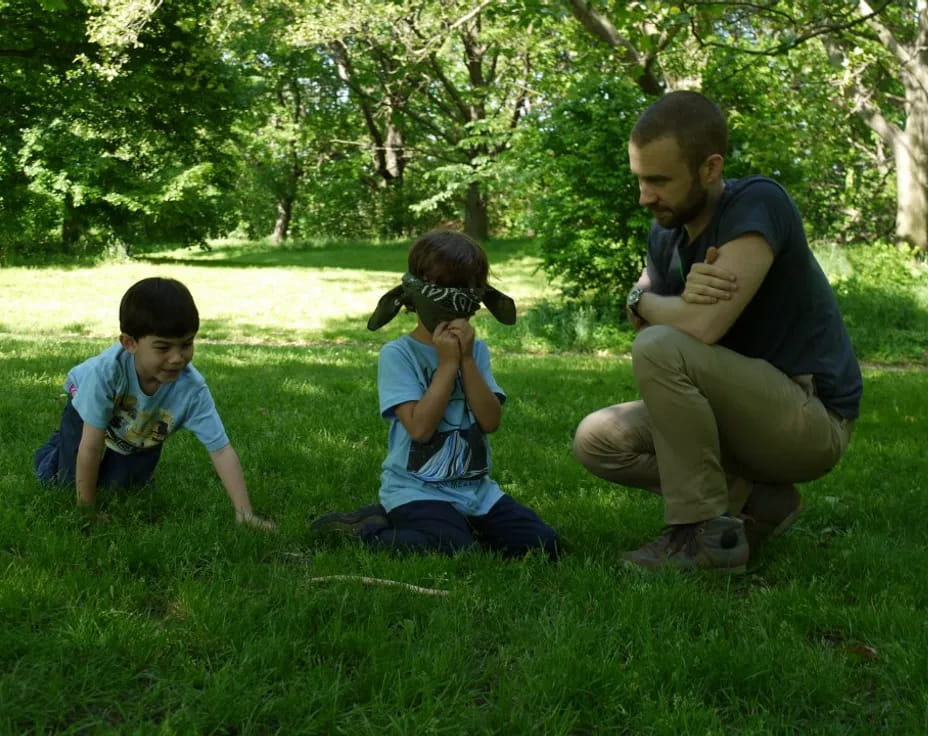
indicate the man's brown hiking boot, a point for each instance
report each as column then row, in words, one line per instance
column 769, row 511
column 714, row 544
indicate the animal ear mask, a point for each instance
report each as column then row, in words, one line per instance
column 434, row 303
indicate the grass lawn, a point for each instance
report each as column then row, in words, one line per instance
column 171, row 619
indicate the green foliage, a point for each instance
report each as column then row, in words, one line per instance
column 581, row 325
column 777, row 109
column 586, row 213
column 884, row 299
column 343, row 201
column 445, row 88
column 134, row 123
column 883, row 264
column 115, row 131
column 35, row 228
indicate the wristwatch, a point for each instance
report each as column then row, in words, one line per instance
column 634, row 296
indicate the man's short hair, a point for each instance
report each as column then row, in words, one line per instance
column 158, row 306
column 695, row 121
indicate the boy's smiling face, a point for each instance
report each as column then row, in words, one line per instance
column 159, row 360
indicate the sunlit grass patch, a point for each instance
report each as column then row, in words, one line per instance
column 245, row 293
column 253, row 293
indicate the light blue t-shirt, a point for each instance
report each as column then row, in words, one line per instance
column 454, row 466
column 106, row 393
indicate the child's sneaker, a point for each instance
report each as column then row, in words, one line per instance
column 714, row 544
column 351, row 523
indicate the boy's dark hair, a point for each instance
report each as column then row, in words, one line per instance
column 449, row 258
column 158, row 306
column 695, row 122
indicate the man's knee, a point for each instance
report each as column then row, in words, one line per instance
column 659, row 344
column 590, row 438
column 612, row 435
column 662, row 349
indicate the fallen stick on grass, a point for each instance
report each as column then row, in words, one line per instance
column 380, row 581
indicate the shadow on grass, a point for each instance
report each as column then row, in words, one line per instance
column 306, row 419
column 306, row 424
column 170, row 609
column 886, row 323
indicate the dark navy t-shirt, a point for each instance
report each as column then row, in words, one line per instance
column 793, row 320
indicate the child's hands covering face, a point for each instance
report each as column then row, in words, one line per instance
column 464, row 331
column 446, row 343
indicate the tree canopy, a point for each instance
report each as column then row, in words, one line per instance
column 133, row 122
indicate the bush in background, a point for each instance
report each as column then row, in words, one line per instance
column 591, row 229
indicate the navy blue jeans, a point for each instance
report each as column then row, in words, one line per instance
column 56, row 460
column 424, row 526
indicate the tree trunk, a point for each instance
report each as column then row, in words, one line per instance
column 910, row 155
column 649, row 77
column 910, row 150
column 911, row 197
column 284, row 213
column 389, row 146
column 393, row 164
column 476, row 221
column 909, row 144
column 908, row 45
column 72, row 224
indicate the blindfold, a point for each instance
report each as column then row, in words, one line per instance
column 434, row 303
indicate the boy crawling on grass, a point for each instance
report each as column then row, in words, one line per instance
column 124, row 402
column 440, row 397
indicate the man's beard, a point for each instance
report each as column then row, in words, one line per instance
column 692, row 207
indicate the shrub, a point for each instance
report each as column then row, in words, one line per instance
column 591, row 229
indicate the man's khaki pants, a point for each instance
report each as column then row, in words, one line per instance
column 711, row 423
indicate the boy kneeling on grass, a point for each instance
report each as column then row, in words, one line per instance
column 441, row 399
column 124, row 402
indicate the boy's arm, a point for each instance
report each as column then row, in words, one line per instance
column 87, row 467
column 481, row 400
column 421, row 418
column 229, row 470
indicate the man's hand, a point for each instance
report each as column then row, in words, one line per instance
column 637, row 323
column 255, row 521
column 707, row 283
column 446, row 343
column 464, row 331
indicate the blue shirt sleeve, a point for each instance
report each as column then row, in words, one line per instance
column 93, row 391
column 398, row 379
column 203, row 420
column 482, row 356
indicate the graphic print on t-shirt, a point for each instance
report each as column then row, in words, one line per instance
column 459, row 454
column 131, row 430
column 454, row 454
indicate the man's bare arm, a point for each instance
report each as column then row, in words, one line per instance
column 748, row 258
column 706, row 282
